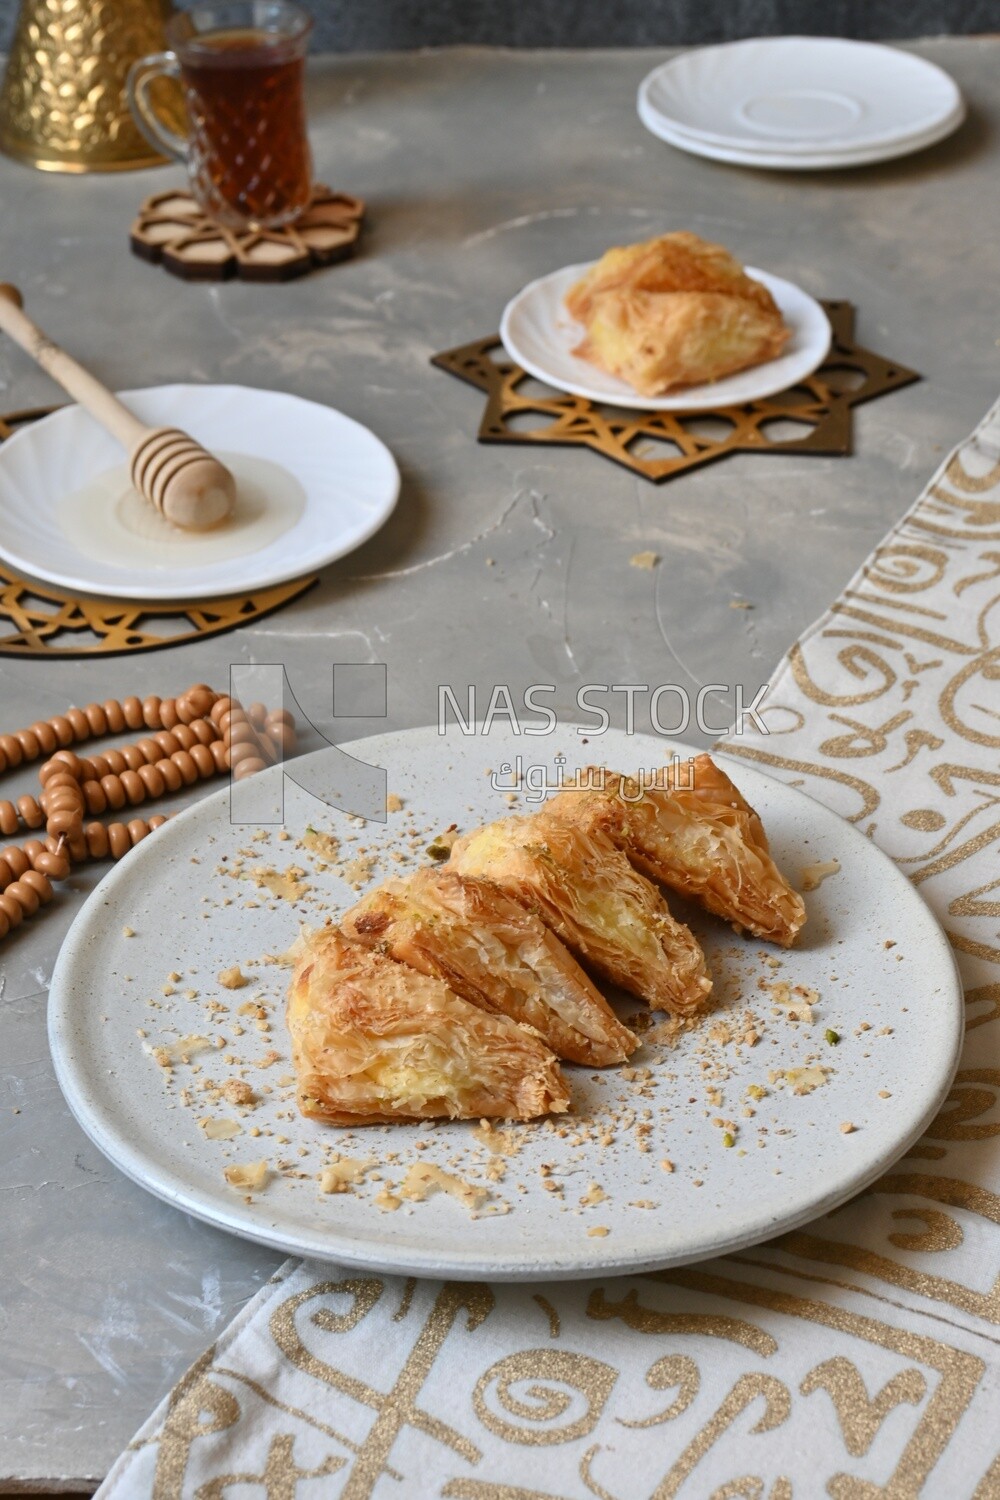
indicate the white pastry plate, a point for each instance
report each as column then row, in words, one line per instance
column 777, row 161
column 539, row 335
column 313, row 485
column 790, row 1162
column 800, row 103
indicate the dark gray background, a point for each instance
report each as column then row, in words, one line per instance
column 374, row 25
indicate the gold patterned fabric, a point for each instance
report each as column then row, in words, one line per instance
column 857, row 1358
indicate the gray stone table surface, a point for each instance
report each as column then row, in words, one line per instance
column 501, row 564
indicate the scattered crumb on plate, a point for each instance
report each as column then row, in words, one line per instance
column 813, row 876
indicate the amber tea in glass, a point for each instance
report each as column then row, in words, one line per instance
column 242, row 68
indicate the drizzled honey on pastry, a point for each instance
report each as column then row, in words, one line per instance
column 674, row 311
column 494, row 953
column 690, row 828
column 581, row 884
column 374, row 1041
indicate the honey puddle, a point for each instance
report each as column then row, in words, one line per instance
column 108, row 521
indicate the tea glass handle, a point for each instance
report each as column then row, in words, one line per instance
column 140, row 75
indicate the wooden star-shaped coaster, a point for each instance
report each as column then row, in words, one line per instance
column 173, row 232
column 813, row 416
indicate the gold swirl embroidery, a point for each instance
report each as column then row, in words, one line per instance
column 406, row 1300
column 923, row 820
column 902, row 606
column 280, row 1475
column 649, row 1320
column 962, row 944
column 970, row 484
column 586, row 1474
column 484, row 1489
column 297, row 1412
column 749, row 1388
column 989, row 1486
column 870, row 798
column 987, row 666
column 896, row 567
column 975, row 811
column 672, row 1372
column 984, row 994
column 934, row 529
column 197, row 1408
column 950, row 1190
column 969, row 906
column 973, row 578
column 398, row 1407
column 960, row 1373
column 968, row 1103
column 544, row 1402
column 900, row 627
column 946, row 774
column 916, row 740
column 749, row 1487
column 940, row 1231
column 860, row 1415
column 550, row 1312
column 916, row 666
column 863, row 739
column 982, row 840
column 812, row 1247
column 854, row 659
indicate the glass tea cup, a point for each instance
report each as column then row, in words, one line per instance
column 242, row 70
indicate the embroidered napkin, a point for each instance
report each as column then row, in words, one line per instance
column 856, row 1358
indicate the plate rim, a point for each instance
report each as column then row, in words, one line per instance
column 738, row 143
column 782, row 162
column 468, row 1264
column 194, row 591
column 690, row 404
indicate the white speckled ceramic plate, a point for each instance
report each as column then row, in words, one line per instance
column 800, row 103
column 540, row 335
column 790, row 1161
column 341, row 478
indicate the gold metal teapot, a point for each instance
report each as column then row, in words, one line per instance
column 63, row 106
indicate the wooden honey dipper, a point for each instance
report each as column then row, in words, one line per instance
column 178, row 476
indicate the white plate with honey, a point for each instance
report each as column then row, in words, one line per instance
column 814, row 1069
column 312, row 485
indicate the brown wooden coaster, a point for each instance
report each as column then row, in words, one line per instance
column 172, row 231
column 813, row 416
column 44, row 621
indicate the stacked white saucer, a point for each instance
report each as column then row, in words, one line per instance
column 800, row 104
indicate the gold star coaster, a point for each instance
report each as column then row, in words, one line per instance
column 813, row 416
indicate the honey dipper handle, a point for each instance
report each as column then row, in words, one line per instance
column 64, row 370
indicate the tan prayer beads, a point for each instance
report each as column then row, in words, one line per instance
column 200, row 734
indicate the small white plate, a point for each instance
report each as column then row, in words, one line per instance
column 790, row 1163
column 801, row 97
column 344, row 477
column 784, row 162
column 539, row 335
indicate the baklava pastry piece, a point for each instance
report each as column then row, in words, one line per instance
column 374, row 1042
column 693, row 830
column 677, row 262
column 674, row 311
column 581, row 884
column 494, row 953
column 659, row 341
